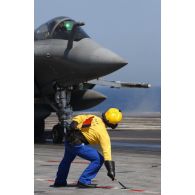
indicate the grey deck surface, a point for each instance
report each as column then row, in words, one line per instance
column 136, row 149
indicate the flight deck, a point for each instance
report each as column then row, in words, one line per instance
column 136, row 150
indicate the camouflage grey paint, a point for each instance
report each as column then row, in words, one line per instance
column 85, row 61
column 56, row 63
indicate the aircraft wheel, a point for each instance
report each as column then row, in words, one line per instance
column 39, row 127
column 57, row 134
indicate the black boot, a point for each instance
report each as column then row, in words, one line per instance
column 82, row 185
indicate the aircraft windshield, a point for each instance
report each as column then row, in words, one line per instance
column 61, row 31
column 42, row 32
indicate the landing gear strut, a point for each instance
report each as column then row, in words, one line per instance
column 64, row 113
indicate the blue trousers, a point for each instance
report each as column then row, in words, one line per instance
column 85, row 152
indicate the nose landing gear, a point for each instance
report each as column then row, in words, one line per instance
column 64, row 113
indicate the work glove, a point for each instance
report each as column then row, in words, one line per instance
column 110, row 166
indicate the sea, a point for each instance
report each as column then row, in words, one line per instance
column 131, row 100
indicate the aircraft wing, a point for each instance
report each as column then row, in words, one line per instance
column 118, row 84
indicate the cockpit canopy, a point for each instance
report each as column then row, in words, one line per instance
column 59, row 28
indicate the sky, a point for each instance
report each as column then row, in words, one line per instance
column 131, row 28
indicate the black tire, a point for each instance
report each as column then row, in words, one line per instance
column 39, row 127
column 57, row 134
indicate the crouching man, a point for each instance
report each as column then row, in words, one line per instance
column 83, row 131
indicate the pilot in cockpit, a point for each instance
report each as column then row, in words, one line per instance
column 60, row 31
column 61, row 28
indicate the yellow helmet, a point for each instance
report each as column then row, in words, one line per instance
column 113, row 116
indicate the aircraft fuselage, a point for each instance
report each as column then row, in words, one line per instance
column 85, row 61
column 57, row 62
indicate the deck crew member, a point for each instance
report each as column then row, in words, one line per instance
column 83, row 131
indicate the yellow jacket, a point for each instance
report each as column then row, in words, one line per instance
column 96, row 133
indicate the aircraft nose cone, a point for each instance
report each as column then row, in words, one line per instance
column 107, row 58
column 95, row 60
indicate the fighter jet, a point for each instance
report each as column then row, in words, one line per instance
column 67, row 65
